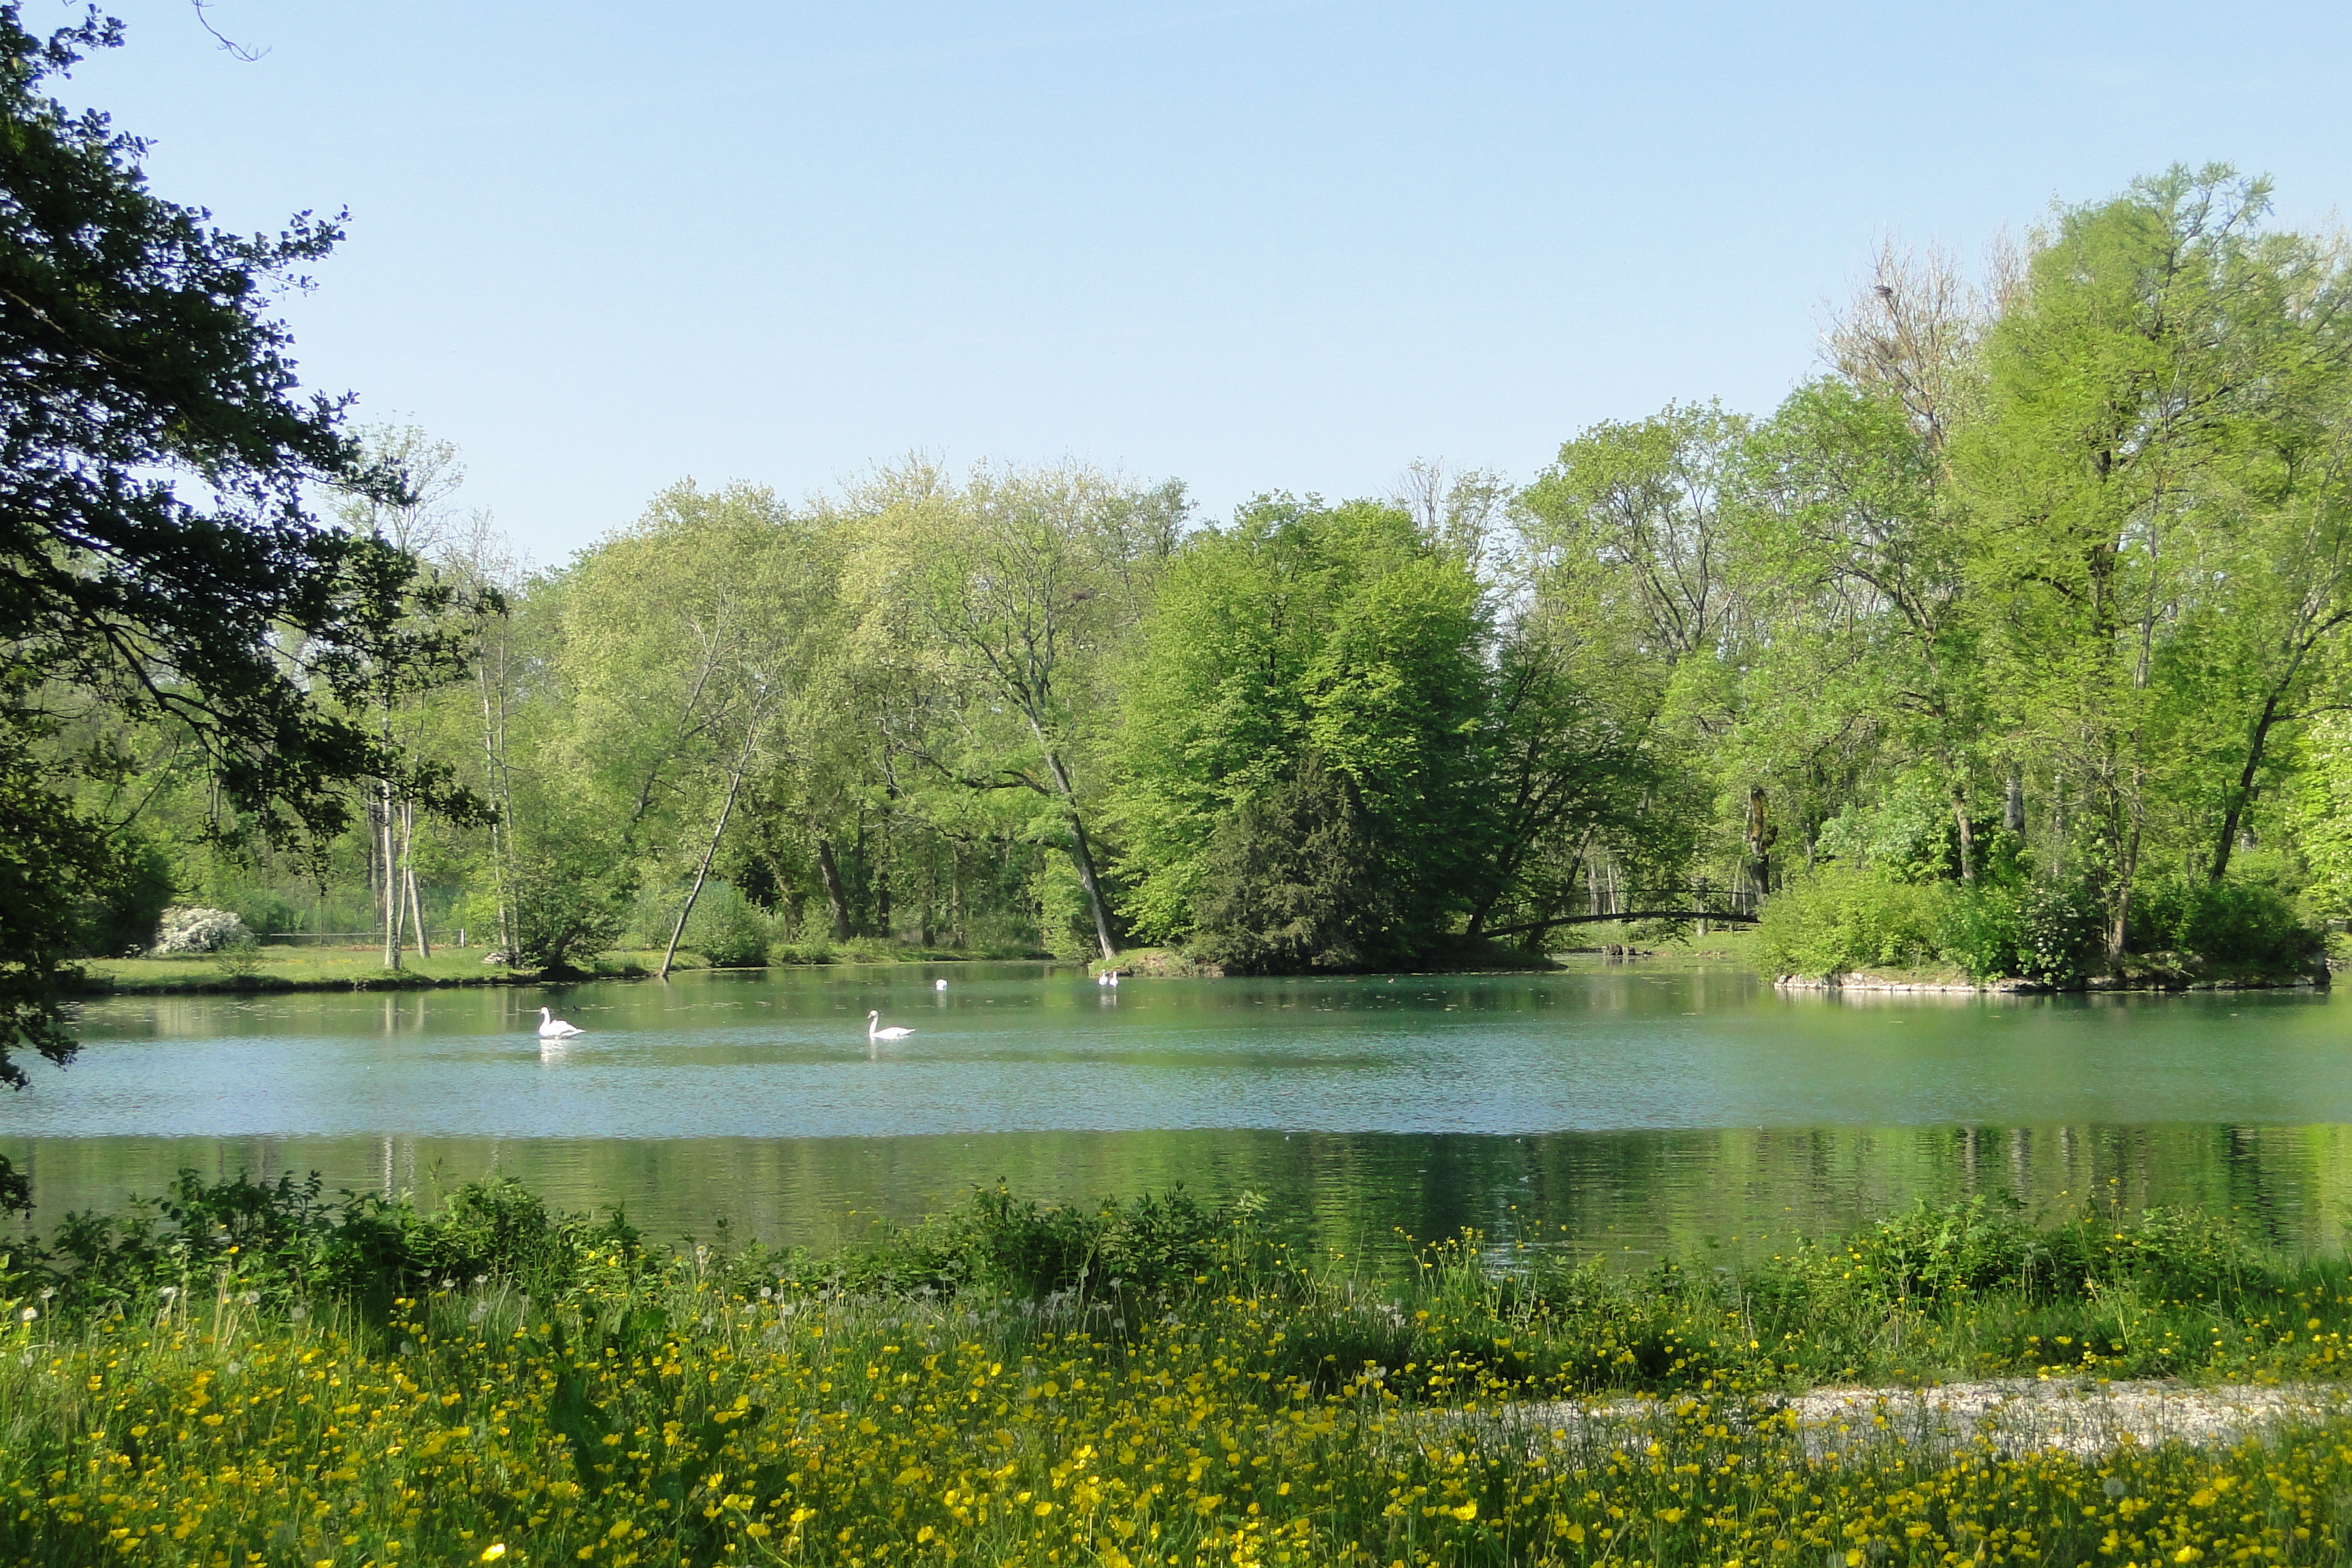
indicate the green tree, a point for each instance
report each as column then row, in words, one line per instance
column 1628, row 557
column 1301, row 715
column 160, row 557
column 1014, row 586
column 685, row 644
column 2153, row 465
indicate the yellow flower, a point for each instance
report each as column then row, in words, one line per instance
column 494, row 1550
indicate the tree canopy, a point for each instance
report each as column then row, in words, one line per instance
column 158, row 565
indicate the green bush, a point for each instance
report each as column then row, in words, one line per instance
column 727, row 929
column 1018, row 1246
column 1841, row 920
column 2059, row 933
column 570, row 902
column 265, row 911
column 286, row 1243
column 2237, row 924
column 1844, row 919
column 1982, row 928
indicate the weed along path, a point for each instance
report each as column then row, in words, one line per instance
column 1633, row 1109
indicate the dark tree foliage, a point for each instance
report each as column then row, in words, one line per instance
column 1295, row 884
column 157, row 559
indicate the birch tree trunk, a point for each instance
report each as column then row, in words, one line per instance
column 394, row 905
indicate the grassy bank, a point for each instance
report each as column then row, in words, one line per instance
column 248, row 1374
column 291, row 968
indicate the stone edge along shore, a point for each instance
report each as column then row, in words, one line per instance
column 2030, row 987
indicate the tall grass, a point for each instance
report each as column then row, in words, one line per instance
column 249, row 1374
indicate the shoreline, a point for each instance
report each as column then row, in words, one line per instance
column 2097, row 985
column 88, row 987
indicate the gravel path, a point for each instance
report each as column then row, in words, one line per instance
column 2014, row 1414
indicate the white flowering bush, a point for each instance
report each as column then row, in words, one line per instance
column 187, row 930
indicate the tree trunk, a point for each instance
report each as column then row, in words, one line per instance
column 1082, row 855
column 702, row 871
column 2120, row 929
column 2244, row 796
column 408, row 877
column 828, row 871
column 1760, row 837
column 955, row 894
column 2012, row 807
column 502, row 828
column 1967, row 835
column 416, row 915
column 392, row 905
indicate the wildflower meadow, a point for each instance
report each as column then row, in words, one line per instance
column 244, row 1375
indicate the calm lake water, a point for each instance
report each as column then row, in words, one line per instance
column 1624, row 1107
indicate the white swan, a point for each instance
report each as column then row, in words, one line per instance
column 939, row 984
column 875, row 1031
column 553, row 1028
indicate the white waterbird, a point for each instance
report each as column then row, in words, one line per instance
column 939, row 984
column 553, row 1028
column 875, row 1031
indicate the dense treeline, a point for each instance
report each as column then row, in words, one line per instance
column 2008, row 642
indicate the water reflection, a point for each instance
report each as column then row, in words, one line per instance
column 1631, row 1194
column 1629, row 1107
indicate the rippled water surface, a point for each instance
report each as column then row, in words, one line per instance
column 1622, row 1106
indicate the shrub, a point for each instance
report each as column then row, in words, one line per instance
column 188, row 931
column 265, row 911
column 1982, row 930
column 569, row 903
column 726, row 928
column 2058, row 932
column 1292, row 883
column 1065, row 926
column 2240, row 924
column 286, row 1242
column 1842, row 919
column 1018, row 1246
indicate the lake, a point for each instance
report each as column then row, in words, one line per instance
column 1624, row 1106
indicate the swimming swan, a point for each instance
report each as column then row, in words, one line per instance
column 875, row 1031
column 554, row 1028
column 939, row 984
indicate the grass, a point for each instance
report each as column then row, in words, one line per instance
column 1147, row 1382
column 273, row 967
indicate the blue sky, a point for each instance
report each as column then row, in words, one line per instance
column 1256, row 246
